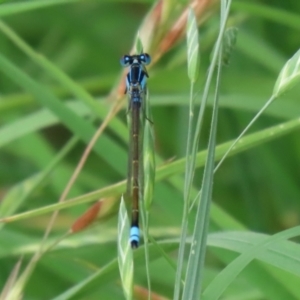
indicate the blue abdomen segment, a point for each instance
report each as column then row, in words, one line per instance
column 134, row 236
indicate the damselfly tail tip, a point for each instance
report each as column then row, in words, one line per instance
column 134, row 237
column 134, row 244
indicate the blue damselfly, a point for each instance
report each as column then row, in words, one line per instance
column 136, row 90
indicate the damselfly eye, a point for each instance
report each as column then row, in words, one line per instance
column 145, row 59
column 126, row 60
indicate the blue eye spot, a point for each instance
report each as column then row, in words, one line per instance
column 145, row 59
column 126, row 60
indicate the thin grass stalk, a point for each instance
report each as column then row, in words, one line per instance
column 7, row 289
column 193, row 65
column 149, row 182
column 288, row 77
column 195, row 143
column 163, row 253
column 145, row 223
column 195, row 268
column 188, row 178
column 208, row 84
column 266, row 105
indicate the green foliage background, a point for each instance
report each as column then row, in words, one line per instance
column 258, row 188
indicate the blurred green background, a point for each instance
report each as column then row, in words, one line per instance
column 85, row 39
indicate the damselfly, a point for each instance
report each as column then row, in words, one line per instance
column 136, row 89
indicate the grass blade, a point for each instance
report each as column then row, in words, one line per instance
column 195, row 268
column 107, row 149
column 225, row 278
column 125, row 257
column 14, row 8
column 193, row 66
column 165, row 171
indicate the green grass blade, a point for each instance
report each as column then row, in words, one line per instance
column 269, row 279
column 149, row 182
column 193, row 62
column 165, row 171
column 195, row 268
column 7, row 290
column 88, row 283
column 107, row 149
column 18, row 194
column 105, row 274
column 14, row 8
column 78, row 91
column 125, row 257
column 36, row 121
column 148, row 159
column 269, row 12
column 225, row 278
column 282, row 254
column 190, row 171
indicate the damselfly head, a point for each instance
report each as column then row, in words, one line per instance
column 128, row 60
